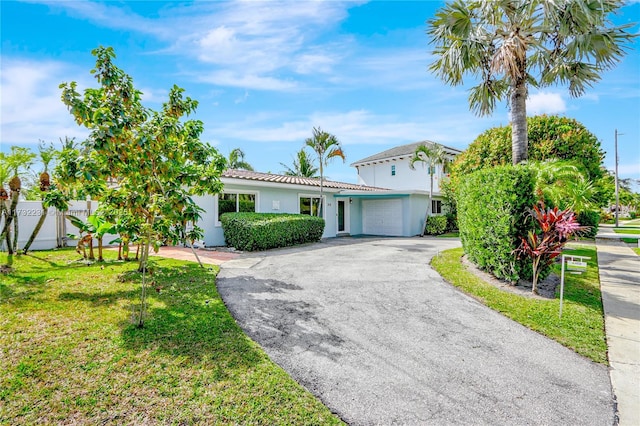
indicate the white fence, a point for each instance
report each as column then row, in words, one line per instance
column 55, row 228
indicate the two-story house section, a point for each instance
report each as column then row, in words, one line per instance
column 391, row 169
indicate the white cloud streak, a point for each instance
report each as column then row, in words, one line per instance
column 31, row 107
column 545, row 103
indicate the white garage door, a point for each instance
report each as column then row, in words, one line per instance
column 382, row 217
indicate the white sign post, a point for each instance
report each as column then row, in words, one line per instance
column 574, row 265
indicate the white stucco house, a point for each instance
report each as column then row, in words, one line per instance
column 390, row 198
column 391, row 169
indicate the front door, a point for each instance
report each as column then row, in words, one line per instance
column 343, row 226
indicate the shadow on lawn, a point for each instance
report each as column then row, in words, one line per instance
column 188, row 319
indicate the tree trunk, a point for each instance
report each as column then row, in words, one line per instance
column 100, row 259
column 11, row 216
column 91, row 255
column 36, row 230
column 320, row 212
column 519, row 139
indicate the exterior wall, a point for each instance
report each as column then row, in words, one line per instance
column 54, row 229
column 268, row 200
column 379, row 175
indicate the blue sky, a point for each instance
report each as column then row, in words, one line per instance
column 265, row 73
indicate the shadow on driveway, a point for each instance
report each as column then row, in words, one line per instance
column 367, row 326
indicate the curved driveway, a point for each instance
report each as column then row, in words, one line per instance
column 368, row 327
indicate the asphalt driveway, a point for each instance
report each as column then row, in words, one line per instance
column 380, row 338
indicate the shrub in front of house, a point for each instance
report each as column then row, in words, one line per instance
column 591, row 219
column 436, row 225
column 493, row 206
column 452, row 222
column 262, row 231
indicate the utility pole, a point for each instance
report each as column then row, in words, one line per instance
column 616, row 177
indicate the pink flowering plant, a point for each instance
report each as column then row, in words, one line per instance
column 555, row 228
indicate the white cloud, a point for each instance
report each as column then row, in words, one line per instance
column 242, row 99
column 247, row 81
column 30, row 107
column 356, row 127
column 249, row 44
column 545, row 103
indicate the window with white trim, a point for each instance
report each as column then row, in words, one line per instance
column 393, row 170
column 230, row 202
column 436, row 207
column 309, row 205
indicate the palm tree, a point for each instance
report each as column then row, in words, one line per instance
column 236, row 160
column 563, row 184
column 302, row 166
column 20, row 158
column 510, row 44
column 326, row 146
column 47, row 155
column 432, row 156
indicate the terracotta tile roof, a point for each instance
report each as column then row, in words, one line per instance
column 294, row 180
column 402, row 150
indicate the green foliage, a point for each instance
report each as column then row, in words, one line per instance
column 452, row 221
column 492, row 208
column 436, row 225
column 262, row 231
column 236, row 160
column 590, row 219
column 550, row 137
column 156, row 157
column 302, row 166
column 68, row 351
column 545, row 243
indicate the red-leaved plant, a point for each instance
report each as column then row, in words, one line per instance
column 556, row 227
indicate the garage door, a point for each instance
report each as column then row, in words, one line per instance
column 382, row 217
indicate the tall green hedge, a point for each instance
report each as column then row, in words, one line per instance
column 590, row 219
column 492, row 214
column 262, row 231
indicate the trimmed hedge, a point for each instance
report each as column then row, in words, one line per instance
column 589, row 218
column 492, row 214
column 436, row 225
column 262, row 231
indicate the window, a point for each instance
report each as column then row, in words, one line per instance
column 309, row 205
column 436, row 206
column 393, row 170
column 236, row 202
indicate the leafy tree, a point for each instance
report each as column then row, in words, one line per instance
column 509, row 45
column 155, row 158
column 302, row 166
column 51, row 196
column 432, row 156
column 236, row 160
column 550, row 138
column 326, row 146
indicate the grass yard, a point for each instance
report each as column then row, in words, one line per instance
column 621, row 230
column 454, row 234
column 582, row 325
column 70, row 353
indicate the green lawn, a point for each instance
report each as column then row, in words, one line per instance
column 582, row 325
column 70, row 354
column 454, row 234
column 622, row 230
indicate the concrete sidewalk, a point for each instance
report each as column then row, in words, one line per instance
column 620, row 285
